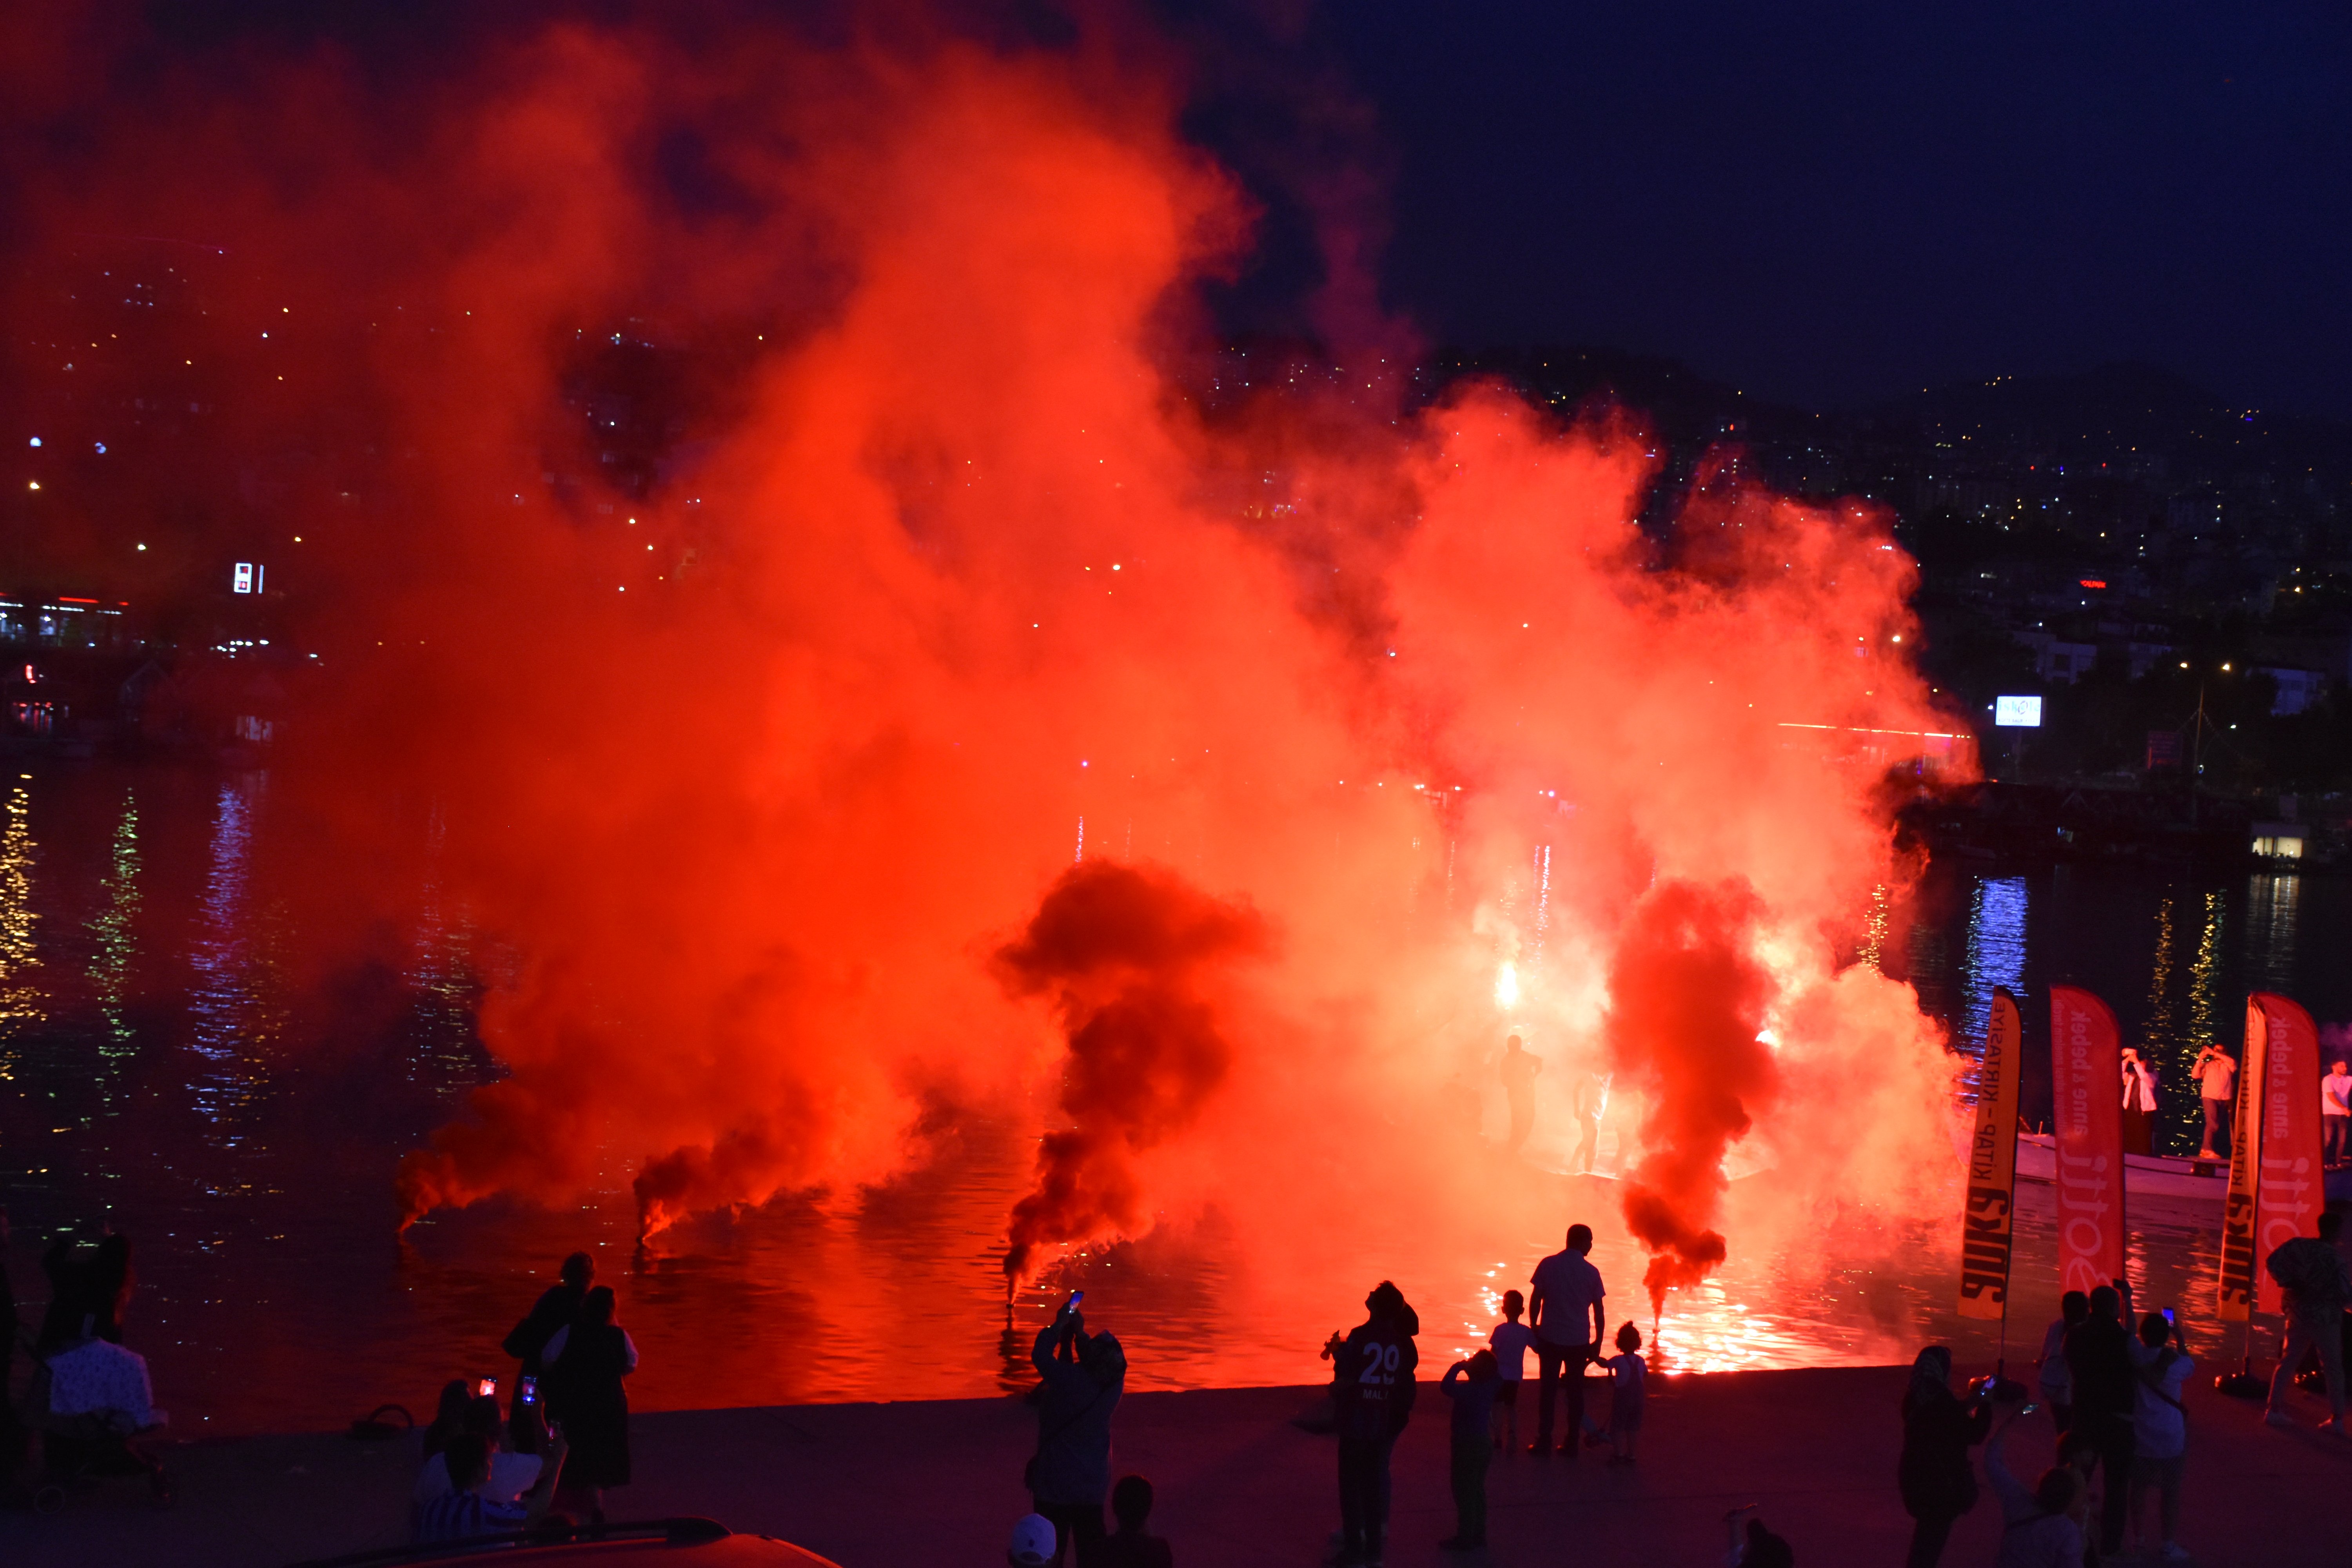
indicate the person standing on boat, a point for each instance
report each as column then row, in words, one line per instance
column 2140, row 1104
column 1592, row 1105
column 2216, row 1072
column 1519, row 1069
column 2335, row 1113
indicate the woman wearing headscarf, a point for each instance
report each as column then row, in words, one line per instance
column 585, row 1363
column 1937, row 1482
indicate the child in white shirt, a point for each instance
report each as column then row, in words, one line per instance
column 1509, row 1342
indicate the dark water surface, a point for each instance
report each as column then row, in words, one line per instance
column 164, row 1067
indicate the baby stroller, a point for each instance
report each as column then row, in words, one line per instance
column 90, row 1402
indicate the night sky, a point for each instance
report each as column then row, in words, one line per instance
column 1828, row 204
column 1831, row 202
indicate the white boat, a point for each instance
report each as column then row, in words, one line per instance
column 2159, row 1176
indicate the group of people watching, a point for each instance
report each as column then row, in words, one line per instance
column 2114, row 1382
column 2215, row 1073
column 557, row 1445
column 1373, row 1391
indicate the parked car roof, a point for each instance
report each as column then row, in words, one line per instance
column 683, row 1542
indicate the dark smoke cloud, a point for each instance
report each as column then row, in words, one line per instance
column 1130, row 957
column 738, row 747
column 1686, row 1000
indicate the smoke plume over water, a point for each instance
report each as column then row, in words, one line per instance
column 1124, row 954
column 767, row 757
column 1686, row 1007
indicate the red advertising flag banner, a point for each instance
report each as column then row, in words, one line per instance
column 2240, row 1261
column 2290, row 1185
column 2087, row 1099
column 1988, row 1224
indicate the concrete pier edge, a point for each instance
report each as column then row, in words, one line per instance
column 1239, row 1483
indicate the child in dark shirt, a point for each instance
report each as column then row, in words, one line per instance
column 1471, row 1385
column 1128, row 1546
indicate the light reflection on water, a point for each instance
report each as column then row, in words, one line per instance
column 152, row 1070
column 1995, row 949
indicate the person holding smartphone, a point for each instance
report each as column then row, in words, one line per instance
column 2159, row 1427
column 1932, row 1471
column 2047, row 1524
column 1372, row 1393
column 1084, row 1375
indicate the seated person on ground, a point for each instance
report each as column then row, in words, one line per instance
column 467, row 1510
column 512, row 1475
column 99, row 1399
column 99, row 1377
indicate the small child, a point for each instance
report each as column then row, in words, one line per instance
column 1509, row 1342
column 1628, row 1379
column 1128, row 1546
column 1471, row 1384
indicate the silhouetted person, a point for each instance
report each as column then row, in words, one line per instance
column 512, row 1475
column 1471, row 1385
column 1372, row 1391
column 2057, row 1383
column 1747, row 1544
column 2042, row 1528
column 2159, row 1430
column 1564, row 1308
column 13, row 1436
column 2334, row 1112
column 1509, row 1341
column 467, row 1509
column 1128, row 1546
column 1628, row 1393
column 2106, row 1394
column 558, row 1307
column 89, row 1291
column 1591, row 1104
column 1933, row 1472
column 2139, row 1104
column 448, row 1417
column 2311, row 1277
column 2216, row 1072
column 585, row 1363
column 1084, row 1376
column 1519, row 1071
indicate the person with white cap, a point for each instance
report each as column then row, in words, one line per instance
column 1034, row 1544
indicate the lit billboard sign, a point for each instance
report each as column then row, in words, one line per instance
column 248, row 577
column 2017, row 712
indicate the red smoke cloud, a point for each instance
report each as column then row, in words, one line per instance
column 1126, row 955
column 745, row 759
column 1685, row 1005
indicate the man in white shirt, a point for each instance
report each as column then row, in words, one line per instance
column 1565, row 1310
column 2335, row 1113
column 2216, row 1072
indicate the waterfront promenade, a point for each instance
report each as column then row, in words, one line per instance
column 935, row 1484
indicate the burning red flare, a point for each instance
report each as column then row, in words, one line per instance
column 1685, row 1005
